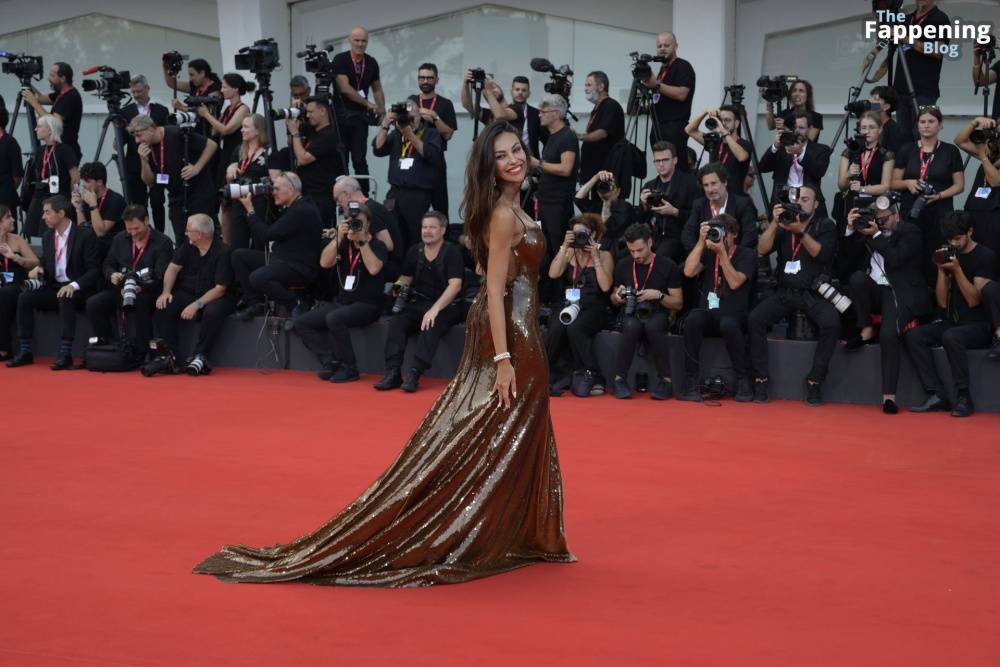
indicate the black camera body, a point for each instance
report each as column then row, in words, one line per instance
column 354, row 221
column 404, row 294
column 23, row 66
column 860, row 106
column 111, row 84
column 865, row 204
column 203, row 101
column 926, row 190
column 775, row 88
column 173, row 61
column 478, row 75
column 317, row 61
column 403, row 115
column 945, row 254
column 604, row 187
column 788, row 197
column 581, row 240
column 981, row 135
column 656, row 198
column 559, row 77
column 787, row 138
column 716, row 230
column 628, row 295
column 261, row 57
column 856, row 144
column 641, row 68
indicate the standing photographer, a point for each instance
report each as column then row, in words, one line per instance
column 797, row 160
column 605, row 128
column 984, row 196
column 67, row 105
column 357, row 73
column 53, row 171
column 249, row 165
column 800, row 100
column 97, row 206
column 497, row 108
column 202, row 82
column 528, row 118
column 225, row 131
column 416, row 163
column 805, row 244
column 318, row 157
column 925, row 68
column 667, row 200
column 673, row 93
column 139, row 192
column 719, row 199
column 16, row 259
column 650, row 286
column 438, row 112
column 893, row 136
column 723, row 142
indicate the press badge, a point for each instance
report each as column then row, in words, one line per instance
column 713, row 301
column 350, row 283
column 362, row 94
column 573, row 294
column 163, row 179
column 882, row 280
column 984, row 192
column 405, row 163
column 656, row 98
column 53, row 185
column 6, row 277
column 793, row 266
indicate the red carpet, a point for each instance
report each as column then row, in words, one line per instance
column 732, row 535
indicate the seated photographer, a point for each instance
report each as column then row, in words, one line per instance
column 497, row 108
column 16, row 259
column 53, row 171
column 723, row 142
column 67, row 105
column 295, row 241
column 68, row 273
column 426, row 304
column 139, row 193
column 667, row 200
column 97, row 206
column 891, row 284
column 359, row 260
column 140, row 254
column 718, row 200
column 202, row 82
column 382, row 224
column 359, row 84
column 981, row 139
column 196, row 285
column 796, row 160
column 616, row 212
column 586, row 268
column 893, row 136
column 964, row 269
column 178, row 160
column 800, row 100
column 673, row 93
column 318, row 157
column 805, row 244
column 646, row 287
column 605, row 128
column 928, row 173
column 249, row 165
column 416, row 166
column 724, row 302
column 439, row 112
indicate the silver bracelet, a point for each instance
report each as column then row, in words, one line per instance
column 500, row 357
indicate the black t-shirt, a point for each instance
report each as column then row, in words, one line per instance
column 229, row 144
column 681, row 191
column 609, row 116
column 714, row 280
column 443, row 107
column 664, row 276
column 430, row 279
column 789, row 248
column 875, row 163
column 54, row 160
column 202, row 273
column 367, row 288
column 925, row 71
column 946, row 161
column 359, row 76
column 737, row 170
column 559, row 188
column 112, row 207
column 991, row 202
column 69, row 107
column 678, row 73
column 381, row 219
column 318, row 177
column 980, row 263
column 11, row 168
column 585, row 279
column 201, row 196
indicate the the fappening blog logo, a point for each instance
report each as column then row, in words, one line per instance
column 892, row 27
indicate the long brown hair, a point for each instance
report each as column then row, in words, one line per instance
column 260, row 125
column 481, row 189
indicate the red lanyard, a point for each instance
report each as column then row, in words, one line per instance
column 796, row 246
column 635, row 278
column 913, row 18
column 866, row 165
column 61, row 251
column 202, row 89
column 732, row 251
column 586, row 266
column 593, row 115
column 723, row 152
column 665, row 69
column 136, row 258
column 227, row 116
column 59, row 96
column 45, row 159
column 245, row 164
column 925, row 165
column 434, row 101
column 163, row 164
column 408, row 146
column 359, row 72
column 352, row 259
column 6, row 264
column 100, row 202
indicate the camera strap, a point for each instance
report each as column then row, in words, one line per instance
column 635, row 277
column 732, row 251
column 162, row 166
column 135, row 257
column 359, row 71
column 577, row 265
column 49, row 152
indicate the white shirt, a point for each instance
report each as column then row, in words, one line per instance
column 795, row 172
column 60, row 244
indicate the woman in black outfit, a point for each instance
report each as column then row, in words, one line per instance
column 225, row 130
column 53, row 171
column 984, row 197
column 11, row 165
column 249, row 165
column 16, row 259
column 800, row 98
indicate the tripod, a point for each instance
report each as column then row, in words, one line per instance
column 32, row 118
column 736, row 92
column 640, row 103
column 114, row 118
column 477, row 90
column 265, row 94
column 854, row 93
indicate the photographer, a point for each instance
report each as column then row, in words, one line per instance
column 616, row 212
column 732, row 151
column 295, row 240
column 202, row 82
column 981, row 76
column 53, row 172
column 528, row 119
column 497, row 107
column 805, row 244
column 673, row 92
column 667, row 201
column 586, row 268
column 963, row 271
column 382, row 223
column 929, row 173
column 867, row 167
column 11, row 167
column 249, row 165
column 16, row 259
column 138, row 191
column 431, row 281
column 139, row 248
column 893, row 136
column 605, row 128
column 67, row 105
column 299, row 92
column 655, row 285
column 724, row 303
column 800, row 100
column 318, row 157
column 165, row 162
column 325, row 331
column 196, row 285
column 357, row 72
column 891, row 284
column 719, row 199
column 438, row 112
column 225, row 130
column 796, row 160
column 984, row 197
column 97, row 206
column 416, row 166
column 925, row 68
column 69, row 271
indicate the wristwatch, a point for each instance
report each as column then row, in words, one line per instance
column 198, row 304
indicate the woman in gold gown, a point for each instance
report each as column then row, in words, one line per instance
column 477, row 490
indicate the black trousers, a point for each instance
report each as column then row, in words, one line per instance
column 103, row 307
column 33, row 216
column 956, row 339
column 273, row 280
column 167, row 322
column 410, row 205
column 326, row 331
column 439, row 197
column 354, row 134
column 991, row 299
column 654, row 331
column 869, row 298
column 8, row 314
column 673, row 131
column 580, row 335
column 700, row 323
column 152, row 197
column 240, row 236
column 554, row 217
column 407, row 323
column 781, row 305
column 45, row 298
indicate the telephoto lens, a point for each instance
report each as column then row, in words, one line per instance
column 197, row 365
column 31, row 284
column 283, row 114
column 569, row 313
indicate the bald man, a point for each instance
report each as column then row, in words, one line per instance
column 673, row 90
column 361, row 90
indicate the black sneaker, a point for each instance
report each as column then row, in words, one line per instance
column 345, row 374
column 760, row 390
column 994, row 353
column 814, row 394
column 21, row 359
column 934, row 403
column 329, row 368
column 692, row 390
column 599, row 385
column 889, row 407
column 963, row 406
column 663, row 390
column 411, row 382
column 393, row 380
column 582, row 384
column 62, row 364
column 620, row 388
column 744, row 394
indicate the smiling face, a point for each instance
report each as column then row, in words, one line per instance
column 511, row 161
column 247, row 130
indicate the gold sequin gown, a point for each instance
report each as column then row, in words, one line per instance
column 477, row 490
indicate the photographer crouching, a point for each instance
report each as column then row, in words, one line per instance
column 430, row 282
column 891, row 284
column 134, row 267
column 727, row 271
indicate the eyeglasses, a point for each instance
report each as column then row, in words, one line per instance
column 662, row 159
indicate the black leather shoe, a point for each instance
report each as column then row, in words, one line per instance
column 663, row 390
column 963, row 406
column 934, row 403
column 760, row 390
column 411, row 381
column 994, row 353
column 345, row 374
column 854, row 343
column 329, row 368
column 62, row 364
column 744, row 394
column 582, row 385
column 620, row 388
column 814, row 394
column 889, row 406
column 692, row 391
column 393, row 380
column 21, row 359
column 251, row 311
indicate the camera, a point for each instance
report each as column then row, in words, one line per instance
column 788, row 197
column 203, row 101
column 260, row 57
column 23, row 66
column 641, row 69
column 581, row 240
column 173, row 61
column 604, row 187
column 478, row 75
column 926, row 190
column 317, row 61
column 787, row 138
column 110, row 85
column 856, row 143
column 130, row 285
column 655, row 199
column 32, row 284
column 633, row 307
column 865, row 204
column 183, row 119
column 860, row 106
column 716, row 231
column 247, row 188
column 162, row 361
column 354, row 222
column 402, row 111
column 826, row 289
column 981, row 135
column 559, row 77
column 403, row 295
column 570, row 312
column 775, row 88
column 944, row 254
column 712, row 141
column 711, row 123
column 290, row 112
